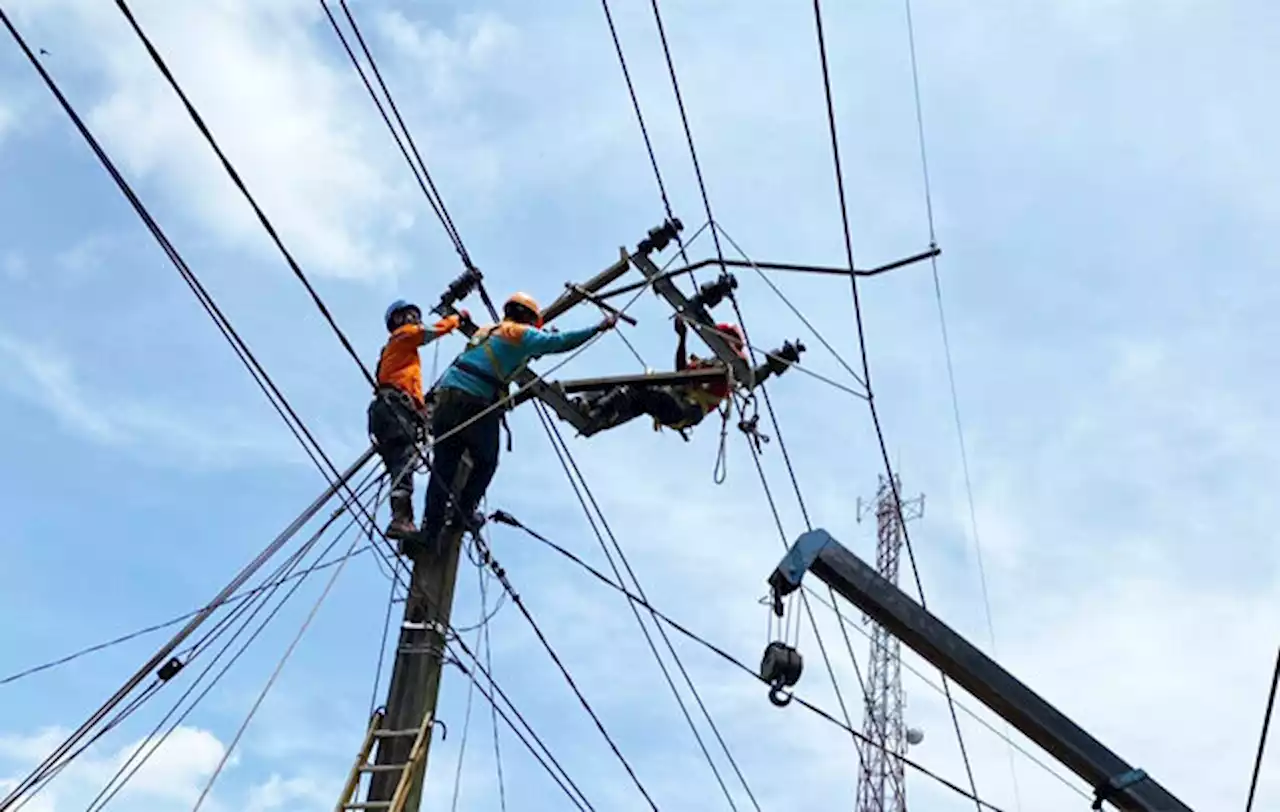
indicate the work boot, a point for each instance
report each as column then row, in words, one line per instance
column 401, row 526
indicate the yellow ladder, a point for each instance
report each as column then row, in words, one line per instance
column 362, row 766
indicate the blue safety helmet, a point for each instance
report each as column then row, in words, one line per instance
column 396, row 307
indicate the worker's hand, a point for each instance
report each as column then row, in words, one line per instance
column 682, row 327
column 610, row 322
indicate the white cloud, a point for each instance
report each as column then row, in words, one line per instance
column 171, row 780
column 184, row 437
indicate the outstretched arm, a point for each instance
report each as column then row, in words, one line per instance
column 542, row 342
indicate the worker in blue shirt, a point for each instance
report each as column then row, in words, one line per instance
column 465, row 418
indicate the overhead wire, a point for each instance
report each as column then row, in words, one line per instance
column 706, row 200
column 562, row 778
column 244, row 189
column 419, row 170
column 866, row 366
column 466, row 714
column 128, row 768
column 236, row 598
column 951, row 373
column 726, row 656
column 501, row 575
column 488, row 664
column 1262, row 739
column 1002, row 735
column 588, row 502
column 271, row 681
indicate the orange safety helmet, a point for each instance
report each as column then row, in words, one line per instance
column 736, row 332
column 528, row 303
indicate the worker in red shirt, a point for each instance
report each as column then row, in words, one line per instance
column 683, row 406
column 398, row 416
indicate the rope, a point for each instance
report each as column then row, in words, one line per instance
column 866, row 366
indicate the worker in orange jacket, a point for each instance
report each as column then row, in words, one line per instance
column 398, row 414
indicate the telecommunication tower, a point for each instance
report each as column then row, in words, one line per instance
column 881, row 782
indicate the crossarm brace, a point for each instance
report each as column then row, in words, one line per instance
column 817, row 552
column 696, row 315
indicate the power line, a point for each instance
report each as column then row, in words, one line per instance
column 566, row 783
column 1262, row 740
column 684, row 120
column 284, row 659
column 720, row 652
column 584, row 496
column 419, row 170
column 236, row 598
column 240, row 184
column 866, row 366
column 564, row 672
column 128, row 769
column 951, row 374
column 1003, row 736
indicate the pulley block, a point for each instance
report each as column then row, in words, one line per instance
column 781, row 667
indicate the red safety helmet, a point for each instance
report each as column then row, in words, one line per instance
column 727, row 330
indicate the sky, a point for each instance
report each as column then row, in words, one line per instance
column 1102, row 178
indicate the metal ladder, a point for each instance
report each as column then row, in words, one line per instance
column 347, row 802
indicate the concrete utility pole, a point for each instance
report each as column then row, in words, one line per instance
column 881, row 781
column 416, row 674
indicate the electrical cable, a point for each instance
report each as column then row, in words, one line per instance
column 275, row 675
column 720, row 652
column 240, row 184
column 466, row 716
column 1003, row 736
column 422, row 176
column 1262, row 739
column 236, row 598
column 488, row 664
column 571, row 468
column 128, row 769
column 866, row 366
column 951, row 373
column 565, row 783
column 564, row 672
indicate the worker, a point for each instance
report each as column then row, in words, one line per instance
column 683, row 406
column 466, row 415
column 397, row 415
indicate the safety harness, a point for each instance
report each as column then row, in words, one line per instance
column 500, row 382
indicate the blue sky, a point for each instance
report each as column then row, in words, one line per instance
column 1103, row 184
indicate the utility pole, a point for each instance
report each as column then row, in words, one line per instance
column 420, row 652
column 881, row 781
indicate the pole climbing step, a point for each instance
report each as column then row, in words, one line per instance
column 363, row 767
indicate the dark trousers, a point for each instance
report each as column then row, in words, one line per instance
column 663, row 403
column 394, row 426
column 481, row 438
